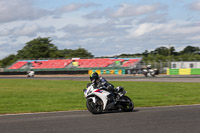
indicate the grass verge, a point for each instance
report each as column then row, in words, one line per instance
column 26, row 95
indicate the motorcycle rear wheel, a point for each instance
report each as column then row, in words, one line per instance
column 95, row 108
column 127, row 104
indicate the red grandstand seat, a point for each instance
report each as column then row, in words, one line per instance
column 51, row 64
column 18, row 65
column 102, row 62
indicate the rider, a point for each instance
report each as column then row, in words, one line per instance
column 30, row 73
column 101, row 82
column 148, row 67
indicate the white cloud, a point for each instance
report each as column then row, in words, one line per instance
column 73, row 7
column 168, row 28
column 195, row 37
column 76, row 6
column 186, row 30
column 4, row 32
column 144, row 28
column 13, row 10
column 195, row 6
column 128, row 28
column 26, row 30
column 182, row 28
column 4, row 53
column 127, row 10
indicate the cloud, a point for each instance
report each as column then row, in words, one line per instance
column 76, row 6
column 154, row 18
column 94, row 37
column 92, row 31
column 195, row 6
column 4, row 53
column 73, row 7
column 127, row 10
column 7, row 47
column 172, row 28
column 195, row 37
column 144, row 29
column 106, row 30
column 30, row 30
column 68, row 8
column 95, row 15
column 13, row 10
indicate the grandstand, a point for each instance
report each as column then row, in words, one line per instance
column 77, row 63
column 74, row 66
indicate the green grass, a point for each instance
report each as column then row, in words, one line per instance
column 26, row 95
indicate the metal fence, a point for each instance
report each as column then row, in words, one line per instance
column 160, row 66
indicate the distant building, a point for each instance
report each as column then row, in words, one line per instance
column 185, row 64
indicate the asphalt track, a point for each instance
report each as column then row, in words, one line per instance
column 173, row 119
column 176, row 119
column 140, row 78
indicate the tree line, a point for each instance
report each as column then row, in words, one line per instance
column 41, row 48
column 164, row 54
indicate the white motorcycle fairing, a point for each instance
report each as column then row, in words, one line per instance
column 30, row 73
column 99, row 99
column 102, row 94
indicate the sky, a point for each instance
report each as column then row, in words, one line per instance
column 104, row 28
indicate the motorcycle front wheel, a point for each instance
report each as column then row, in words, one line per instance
column 95, row 108
column 127, row 104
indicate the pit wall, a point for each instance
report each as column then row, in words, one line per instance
column 114, row 71
column 188, row 71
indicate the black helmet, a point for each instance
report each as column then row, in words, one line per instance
column 94, row 76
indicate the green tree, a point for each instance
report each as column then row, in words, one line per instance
column 81, row 53
column 145, row 53
column 190, row 50
column 66, row 52
column 162, row 51
column 172, row 51
column 39, row 48
column 8, row 60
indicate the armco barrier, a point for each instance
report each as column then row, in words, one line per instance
column 184, row 71
column 46, row 72
column 188, row 71
column 112, row 71
column 173, row 71
column 195, row 71
column 65, row 69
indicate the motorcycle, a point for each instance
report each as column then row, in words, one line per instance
column 99, row 100
column 30, row 74
column 149, row 72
